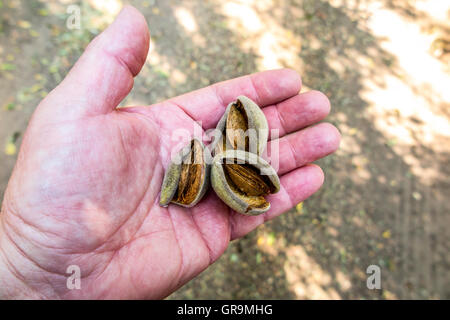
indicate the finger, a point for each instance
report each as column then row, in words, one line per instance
column 297, row 112
column 302, row 147
column 296, row 186
column 104, row 74
column 208, row 104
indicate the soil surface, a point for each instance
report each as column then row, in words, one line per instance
column 384, row 66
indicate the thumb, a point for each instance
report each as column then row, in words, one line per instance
column 103, row 75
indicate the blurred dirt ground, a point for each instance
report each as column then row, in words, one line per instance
column 383, row 64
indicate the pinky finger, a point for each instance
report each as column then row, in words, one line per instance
column 296, row 186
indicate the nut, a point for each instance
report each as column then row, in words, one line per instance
column 243, row 127
column 187, row 177
column 242, row 179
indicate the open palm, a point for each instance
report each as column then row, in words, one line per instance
column 85, row 188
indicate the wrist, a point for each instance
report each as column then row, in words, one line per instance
column 15, row 282
column 11, row 286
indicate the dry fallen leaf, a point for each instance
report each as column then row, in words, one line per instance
column 10, row 149
column 24, row 24
column 299, row 208
column 386, row 234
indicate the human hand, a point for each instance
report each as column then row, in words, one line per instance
column 86, row 184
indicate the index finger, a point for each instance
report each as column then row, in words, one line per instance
column 265, row 88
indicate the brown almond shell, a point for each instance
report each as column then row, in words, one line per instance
column 236, row 200
column 173, row 173
column 256, row 121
